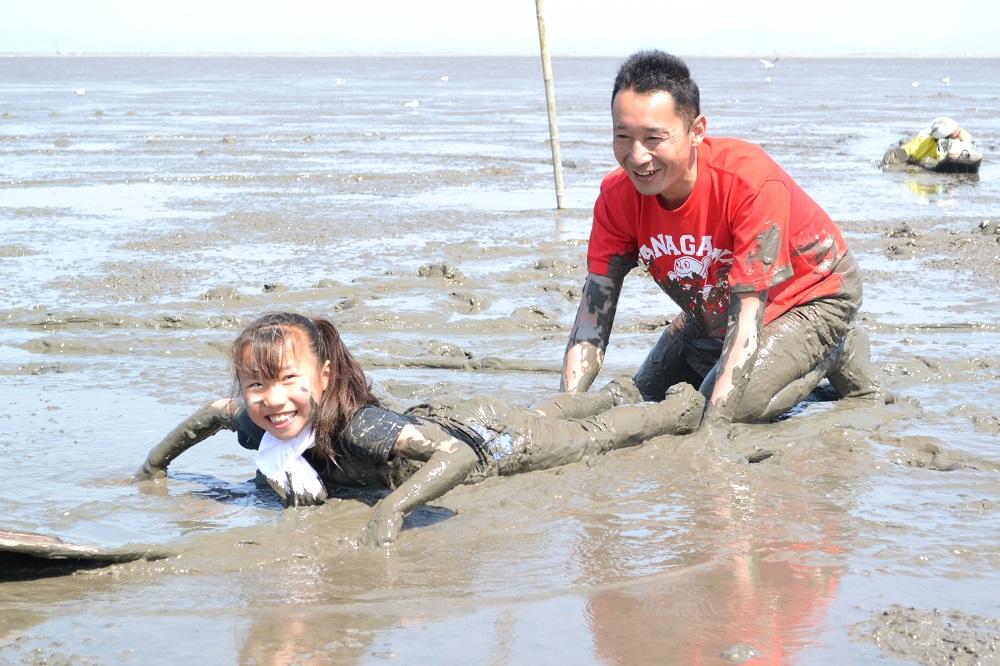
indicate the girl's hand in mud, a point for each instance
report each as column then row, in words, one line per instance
column 147, row 473
column 382, row 530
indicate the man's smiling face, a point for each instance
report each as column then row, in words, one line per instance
column 655, row 146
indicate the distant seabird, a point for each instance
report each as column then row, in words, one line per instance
column 768, row 64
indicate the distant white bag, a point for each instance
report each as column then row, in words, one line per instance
column 956, row 147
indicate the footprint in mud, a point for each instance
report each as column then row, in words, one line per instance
column 760, row 455
column 933, row 637
column 445, row 271
column 534, row 317
column 220, row 294
column 467, row 302
column 921, row 453
column 444, row 349
column 737, row 654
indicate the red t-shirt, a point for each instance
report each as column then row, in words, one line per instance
column 745, row 227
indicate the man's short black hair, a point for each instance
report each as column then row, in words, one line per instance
column 653, row 71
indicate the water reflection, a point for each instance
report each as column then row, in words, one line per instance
column 297, row 636
column 760, row 599
column 937, row 189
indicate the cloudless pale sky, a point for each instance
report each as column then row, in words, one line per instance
column 575, row 27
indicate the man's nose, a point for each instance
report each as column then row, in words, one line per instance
column 638, row 153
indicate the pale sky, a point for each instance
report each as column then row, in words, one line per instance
column 575, row 27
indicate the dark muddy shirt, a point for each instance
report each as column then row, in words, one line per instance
column 363, row 452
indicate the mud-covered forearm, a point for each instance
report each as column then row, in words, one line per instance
column 447, row 468
column 739, row 353
column 448, row 462
column 581, row 366
column 201, row 425
column 591, row 332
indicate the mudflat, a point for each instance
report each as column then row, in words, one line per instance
column 151, row 218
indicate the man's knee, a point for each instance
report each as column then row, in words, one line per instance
column 650, row 385
column 851, row 372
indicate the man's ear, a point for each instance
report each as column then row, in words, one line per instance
column 698, row 129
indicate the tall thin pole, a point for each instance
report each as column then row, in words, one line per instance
column 550, row 105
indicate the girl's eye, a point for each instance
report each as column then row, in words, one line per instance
column 253, row 386
column 289, row 378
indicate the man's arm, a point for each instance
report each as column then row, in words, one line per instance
column 739, row 351
column 448, row 462
column 199, row 426
column 591, row 331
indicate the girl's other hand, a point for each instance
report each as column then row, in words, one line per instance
column 382, row 530
column 148, row 472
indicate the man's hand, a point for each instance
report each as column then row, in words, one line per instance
column 382, row 530
column 715, row 430
column 739, row 352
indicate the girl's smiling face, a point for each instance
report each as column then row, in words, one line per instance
column 284, row 404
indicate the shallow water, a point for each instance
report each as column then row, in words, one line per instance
column 308, row 184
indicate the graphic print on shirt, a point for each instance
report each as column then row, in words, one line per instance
column 693, row 273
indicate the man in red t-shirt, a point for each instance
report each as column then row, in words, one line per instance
column 767, row 288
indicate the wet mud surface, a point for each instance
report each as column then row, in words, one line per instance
column 143, row 239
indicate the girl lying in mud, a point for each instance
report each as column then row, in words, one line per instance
column 305, row 405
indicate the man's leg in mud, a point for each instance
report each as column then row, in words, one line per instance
column 797, row 350
column 804, row 345
column 544, row 442
column 851, row 373
column 669, row 362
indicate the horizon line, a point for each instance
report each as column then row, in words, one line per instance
column 424, row 54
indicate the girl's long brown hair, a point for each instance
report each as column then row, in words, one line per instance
column 348, row 390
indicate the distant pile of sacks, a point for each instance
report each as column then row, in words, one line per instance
column 942, row 146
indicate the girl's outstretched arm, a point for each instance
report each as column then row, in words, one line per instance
column 448, row 461
column 201, row 425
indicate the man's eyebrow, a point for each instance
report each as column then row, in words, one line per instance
column 648, row 130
